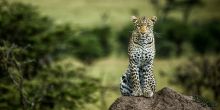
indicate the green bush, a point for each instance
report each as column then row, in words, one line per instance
column 206, row 37
column 52, row 88
column 87, row 48
column 175, row 34
column 20, row 23
column 165, row 49
column 29, row 46
column 198, row 76
column 61, row 89
column 124, row 37
column 91, row 44
column 103, row 34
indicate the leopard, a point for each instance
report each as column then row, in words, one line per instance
column 138, row 80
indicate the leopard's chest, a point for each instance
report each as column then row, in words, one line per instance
column 142, row 55
column 141, row 48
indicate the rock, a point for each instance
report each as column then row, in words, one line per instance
column 165, row 99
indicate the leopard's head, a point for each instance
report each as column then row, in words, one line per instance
column 143, row 25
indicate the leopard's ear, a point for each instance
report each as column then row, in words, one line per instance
column 144, row 18
column 134, row 19
column 153, row 19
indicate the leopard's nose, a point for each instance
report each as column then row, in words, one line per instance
column 142, row 33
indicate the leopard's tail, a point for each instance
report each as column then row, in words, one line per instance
column 125, row 85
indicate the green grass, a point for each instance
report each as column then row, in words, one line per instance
column 89, row 13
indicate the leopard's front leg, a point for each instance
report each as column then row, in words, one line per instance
column 134, row 69
column 149, row 81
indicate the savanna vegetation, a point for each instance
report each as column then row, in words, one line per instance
column 69, row 55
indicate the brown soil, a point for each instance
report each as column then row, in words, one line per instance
column 165, row 99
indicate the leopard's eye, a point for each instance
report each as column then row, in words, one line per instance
column 148, row 24
column 138, row 25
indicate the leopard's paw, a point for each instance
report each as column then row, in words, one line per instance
column 137, row 92
column 148, row 93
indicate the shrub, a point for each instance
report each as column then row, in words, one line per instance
column 29, row 45
column 199, row 75
column 20, row 23
column 206, row 38
column 124, row 37
column 53, row 88
column 87, row 48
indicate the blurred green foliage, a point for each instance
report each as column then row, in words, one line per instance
column 53, row 88
column 23, row 25
column 92, row 44
column 199, row 75
column 29, row 45
column 124, row 37
column 206, row 37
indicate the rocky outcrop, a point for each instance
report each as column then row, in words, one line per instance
column 165, row 99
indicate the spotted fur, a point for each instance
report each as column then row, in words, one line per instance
column 138, row 80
